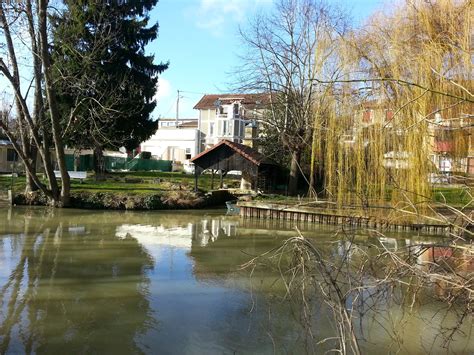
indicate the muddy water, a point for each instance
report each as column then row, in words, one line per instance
column 89, row 282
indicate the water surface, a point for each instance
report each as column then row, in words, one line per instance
column 97, row 282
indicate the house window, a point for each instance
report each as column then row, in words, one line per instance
column 11, row 155
column 236, row 110
column 211, row 129
column 188, row 153
column 222, row 110
column 225, row 127
column 367, row 116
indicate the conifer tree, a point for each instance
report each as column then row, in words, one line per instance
column 106, row 80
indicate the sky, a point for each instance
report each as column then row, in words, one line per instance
column 199, row 39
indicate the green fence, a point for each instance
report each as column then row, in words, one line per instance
column 138, row 164
column 86, row 163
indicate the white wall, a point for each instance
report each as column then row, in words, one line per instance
column 171, row 144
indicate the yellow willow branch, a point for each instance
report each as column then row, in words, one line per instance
column 398, row 81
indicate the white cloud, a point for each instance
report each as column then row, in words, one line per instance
column 214, row 15
column 163, row 89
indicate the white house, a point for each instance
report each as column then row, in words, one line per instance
column 226, row 116
column 174, row 140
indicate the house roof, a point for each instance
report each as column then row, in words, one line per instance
column 250, row 101
column 172, row 119
column 5, row 142
column 247, row 152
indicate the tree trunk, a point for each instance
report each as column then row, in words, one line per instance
column 53, row 106
column 99, row 164
column 30, row 184
column 294, row 172
column 49, row 168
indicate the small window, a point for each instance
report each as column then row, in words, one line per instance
column 211, row 129
column 11, row 155
column 188, row 153
column 367, row 116
column 236, row 110
column 225, row 127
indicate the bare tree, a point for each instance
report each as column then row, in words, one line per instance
column 34, row 125
column 285, row 53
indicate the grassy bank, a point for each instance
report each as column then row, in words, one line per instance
column 132, row 182
column 453, row 196
column 159, row 190
column 131, row 191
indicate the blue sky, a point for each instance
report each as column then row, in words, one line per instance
column 200, row 40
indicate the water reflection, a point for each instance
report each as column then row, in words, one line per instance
column 65, row 289
column 149, row 282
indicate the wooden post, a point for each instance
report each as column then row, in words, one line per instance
column 221, row 185
column 212, row 179
column 196, row 178
column 256, row 181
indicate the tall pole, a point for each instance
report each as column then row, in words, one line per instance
column 177, row 110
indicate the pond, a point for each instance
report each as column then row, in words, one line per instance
column 97, row 282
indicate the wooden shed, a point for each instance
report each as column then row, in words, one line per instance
column 258, row 171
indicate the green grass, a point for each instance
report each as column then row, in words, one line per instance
column 455, row 196
column 151, row 182
column 156, row 182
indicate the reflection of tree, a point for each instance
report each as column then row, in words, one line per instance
column 84, row 293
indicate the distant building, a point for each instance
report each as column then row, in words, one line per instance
column 8, row 156
column 452, row 144
column 175, row 140
column 450, row 139
column 233, row 117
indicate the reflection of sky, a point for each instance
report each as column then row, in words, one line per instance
column 192, row 316
column 9, row 255
column 155, row 237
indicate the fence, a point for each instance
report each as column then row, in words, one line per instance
column 86, row 163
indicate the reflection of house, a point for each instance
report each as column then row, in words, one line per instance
column 208, row 230
column 157, row 237
column 8, row 156
column 174, row 140
column 227, row 116
column 154, row 238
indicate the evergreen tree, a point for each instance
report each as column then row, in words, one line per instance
column 106, row 82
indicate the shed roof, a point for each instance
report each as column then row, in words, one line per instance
column 247, row 152
column 248, row 100
column 5, row 142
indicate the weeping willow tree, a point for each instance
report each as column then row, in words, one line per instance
column 408, row 79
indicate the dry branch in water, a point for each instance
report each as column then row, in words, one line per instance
column 370, row 283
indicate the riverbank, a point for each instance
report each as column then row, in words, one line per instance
column 130, row 191
column 169, row 200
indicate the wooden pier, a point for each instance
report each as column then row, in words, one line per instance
column 315, row 215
